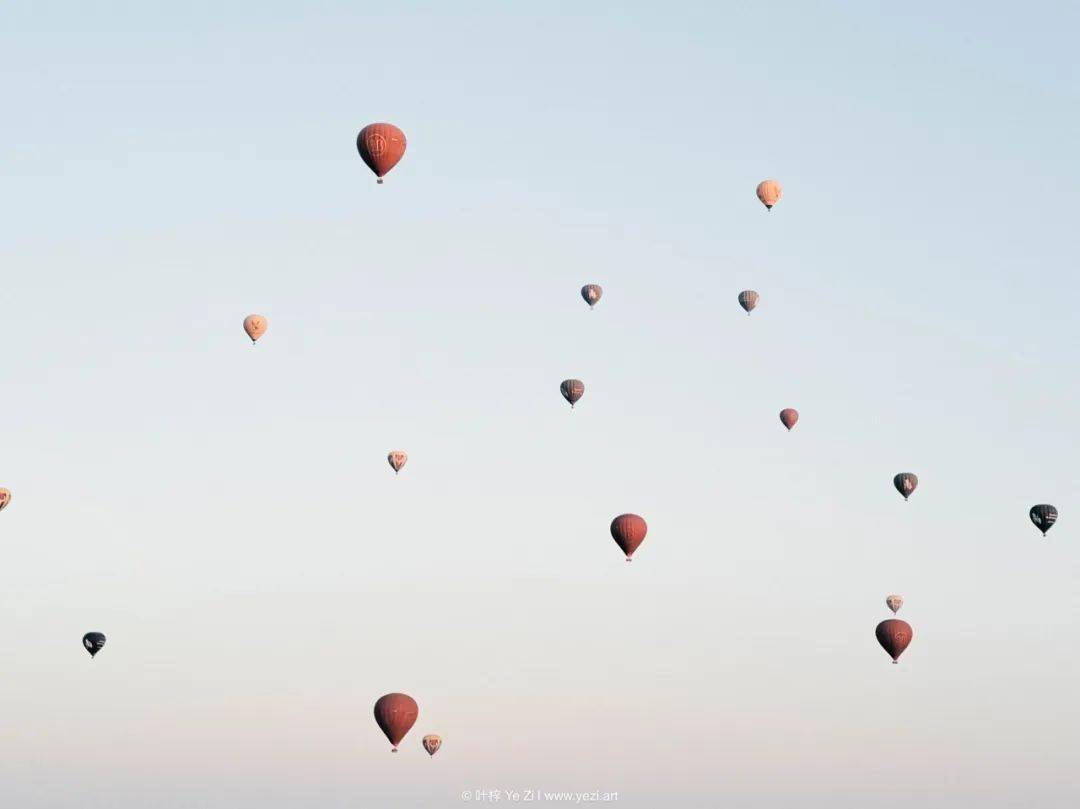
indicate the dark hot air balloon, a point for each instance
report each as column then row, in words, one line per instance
column 572, row 390
column 591, row 293
column 1044, row 516
column 628, row 531
column 431, row 743
column 92, row 642
column 748, row 300
column 395, row 714
column 894, row 636
column 381, row 147
column 788, row 417
column 905, row 483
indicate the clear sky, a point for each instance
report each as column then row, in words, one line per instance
column 226, row 515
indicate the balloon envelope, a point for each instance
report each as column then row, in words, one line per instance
column 92, row 642
column 905, row 483
column 381, row 146
column 788, row 417
column 432, row 743
column 894, row 602
column 628, row 531
column 894, row 636
column 397, row 459
column 769, row 192
column 748, row 300
column 395, row 714
column 572, row 390
column 255, row 326
column 591, row 293
column 1044, row 516
column 5, row 498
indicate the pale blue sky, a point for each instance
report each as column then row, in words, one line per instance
column 225, row 514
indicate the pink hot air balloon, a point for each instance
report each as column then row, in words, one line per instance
column 769, row 192
column 255, row 326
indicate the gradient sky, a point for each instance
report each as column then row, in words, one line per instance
column 226, row 514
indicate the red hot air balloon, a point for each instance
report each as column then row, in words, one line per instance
column 395, row 714
column 788, row 417
column 628, row 531
column 381, row 146
column 894, row 636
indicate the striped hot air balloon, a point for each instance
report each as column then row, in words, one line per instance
column 748, row 300
column 572, row 390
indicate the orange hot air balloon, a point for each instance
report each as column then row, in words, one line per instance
column 381, row 146
column 5, row 498
column 255, row 326
column 628, row 531
column 395, row 714
column 894, row 636
column 397, row 459
column 769, row 192
column 788, row 417
column 432, row 743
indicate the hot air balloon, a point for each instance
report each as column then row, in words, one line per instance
column 395, row 714
column 591, row 293
column 92, row 642
column 255, row 326
column 572, row 390
column 5, row 498
column 628, row 531
column 894, row 603
column 432, row 743
column 748, row 300
column 894, row 636
column 381, row 147
column 769, row 192
column 788, row 417
column 905, row 483
column 1043, row 515
column 397, row 459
